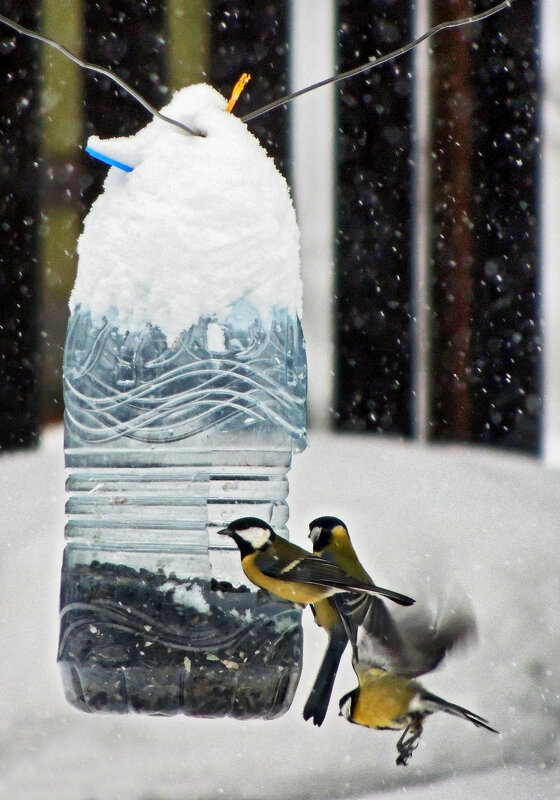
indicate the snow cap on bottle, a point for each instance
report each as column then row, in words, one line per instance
column 199, row 222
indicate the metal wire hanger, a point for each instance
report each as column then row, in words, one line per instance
column 370, row 64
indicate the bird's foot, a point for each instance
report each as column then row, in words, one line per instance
column 408, row 743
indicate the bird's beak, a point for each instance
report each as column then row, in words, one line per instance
column 225, row 532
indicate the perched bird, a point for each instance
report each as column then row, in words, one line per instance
column 340, row 617
column 330, row 538
column 290, row 572
column 386, row 700
column 387, row 695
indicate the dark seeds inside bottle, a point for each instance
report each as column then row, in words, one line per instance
column 138, row 641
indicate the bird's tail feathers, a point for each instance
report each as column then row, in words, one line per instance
column 317, row 703
column 349, row 609
column 434, row 703
column 396, row 597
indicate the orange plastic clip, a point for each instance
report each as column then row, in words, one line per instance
column 237, row 89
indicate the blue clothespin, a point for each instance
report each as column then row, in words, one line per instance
column 108, row 160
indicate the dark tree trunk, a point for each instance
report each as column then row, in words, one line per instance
column 486, row 366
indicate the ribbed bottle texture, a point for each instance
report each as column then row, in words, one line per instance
column 165, row 442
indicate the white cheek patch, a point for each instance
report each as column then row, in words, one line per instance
column 255, row 536
column 345, row 708
column 315, row 533
column 416, row 703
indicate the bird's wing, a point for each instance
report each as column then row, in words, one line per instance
column 430, row 641
column 414, row 646
column 306, row 569
column 313, row 569
column 355, row 606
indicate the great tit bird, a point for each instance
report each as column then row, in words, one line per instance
column 387, row 696
column 290, row 572
column 341, row 616
column 386, row 700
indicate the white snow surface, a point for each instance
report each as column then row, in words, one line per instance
column 425, row 520
column 199, row 223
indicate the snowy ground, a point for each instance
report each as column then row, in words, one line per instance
column 423, row 518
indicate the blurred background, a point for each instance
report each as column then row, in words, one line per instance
column 425, row 191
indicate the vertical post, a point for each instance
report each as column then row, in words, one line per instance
column 188, row 46
column 507, row 342
column 453, row 104
column 374, row 222
column 313, row 122
column 19, row 279
column 421, row 390
column 61, row 101
column 550, row 203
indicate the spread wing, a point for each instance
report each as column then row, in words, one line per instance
column 412, row 647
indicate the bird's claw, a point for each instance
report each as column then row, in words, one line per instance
column 407, row 746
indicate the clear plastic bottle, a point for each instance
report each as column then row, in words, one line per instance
column 165, row 442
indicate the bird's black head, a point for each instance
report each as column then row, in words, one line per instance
column 321, row 531
column 249, row 534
